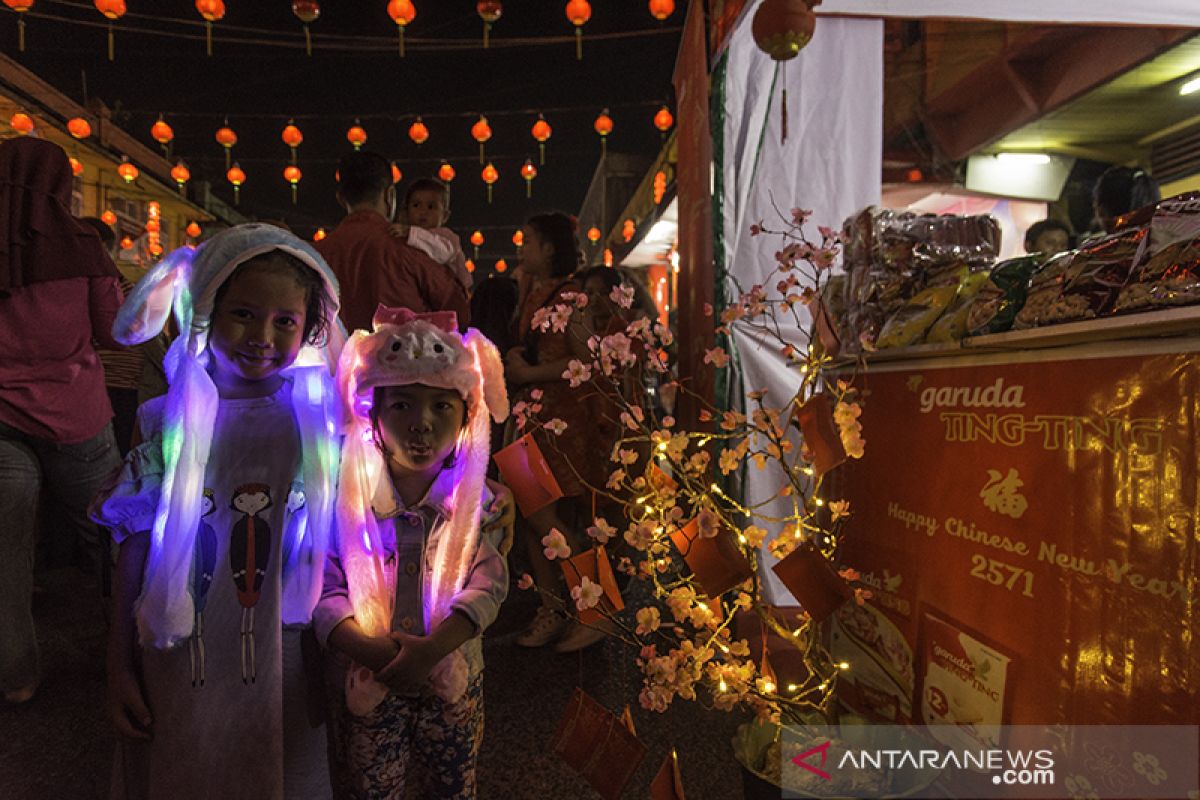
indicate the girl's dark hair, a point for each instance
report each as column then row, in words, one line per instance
column 318, row 311
column 611, row 278
column 1122, row 189
column 559, row 230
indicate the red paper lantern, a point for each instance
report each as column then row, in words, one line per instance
column 20, row 6
column 627, row 230
column 477, row 238
column 660, row 186
column 193, row 230
column 237, row 177
column 112, row 10
column 212, row 11
column 418, row 132
column 446, row 172
column 181, row 174
column 126, row 243
column 356, row 136
column 292, row 175
column 76, row 166
column 490, row 176
column 153, row 226
column 21, row 122
column 155, row 249
column 502, row 266
column 481, row 132
column 782, row 28
column 528, row 172
column 319, row 235
column 161, row 132
column 541, row 132
column 579, row 12
column 307, row 12
column 227, row 139
column 489, row 11
column 402, row 13
column 663, row 119
column 661, row 9
column 603, row 126
column 594, row 234
column 470, row 265
column 127, row 171
column 397, row 174
column 108, row 217
column 519, row 238
column 292, row 137
column 79, row 127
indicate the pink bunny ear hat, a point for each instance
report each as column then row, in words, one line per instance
column 407, row 348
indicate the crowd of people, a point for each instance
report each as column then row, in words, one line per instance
column 281, row 453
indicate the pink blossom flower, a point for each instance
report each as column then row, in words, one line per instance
column 828, row 234
column 861, row 596
column 627, row 457
column 555, row 545
column 824, row 258
column 601, row 531
column 708, row 309
column 707, row 524
column 560, row 316
column 849, row 574
column 839, row 509
column 628, row 421
column 541, row 319
column 587, row 594
column 525, row 581
column 754, row 536
column 616, row 479
column 756, row 229
column 717, row 357
column 729, row 461
column 556, row 426
column 622, row 296
column 801, row 215
column 640, row 535
column 577, row 373
column 536, row 394
column 664, row 334
column 648, row 620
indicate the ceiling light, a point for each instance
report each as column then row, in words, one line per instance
column 1191, row 86
column 1026, row 159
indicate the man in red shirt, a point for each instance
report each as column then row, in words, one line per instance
column 375, row 267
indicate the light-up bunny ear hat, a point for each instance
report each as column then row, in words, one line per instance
column 186, row 282
column 407, row 348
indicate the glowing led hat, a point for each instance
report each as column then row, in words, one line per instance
column 186, row 283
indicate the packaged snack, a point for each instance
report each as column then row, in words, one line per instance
column 913, row 319
column 1045, row 286
column 1095, row 277
column 1001, row 296
column 1170, row 278
column 951, row 326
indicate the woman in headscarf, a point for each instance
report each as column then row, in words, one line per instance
column 59, row 291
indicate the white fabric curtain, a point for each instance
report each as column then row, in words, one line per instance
column 1184, row 13
column 830, row 163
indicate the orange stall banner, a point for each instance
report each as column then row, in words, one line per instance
column 528, row 475
column 1027, row 528
column 594, row 742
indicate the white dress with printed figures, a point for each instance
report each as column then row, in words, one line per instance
column 233, row 714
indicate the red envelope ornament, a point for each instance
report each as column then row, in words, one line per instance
column 527, row 473
column 659, row 481
column 717, row 562
column 815, row 419
column 668, row 783
column 595, row 743
column 826, row 330
column 595, row 565
column 810, row 577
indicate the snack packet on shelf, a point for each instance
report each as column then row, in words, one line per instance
column 908, row 325
column 1044, row 289
column 951, row 326
column 1095, row 277
column 1169, row 274
column 1001, row 296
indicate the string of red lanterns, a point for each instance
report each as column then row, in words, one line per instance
column 541, row 133
column 528, row 172
column 603, row 126
column 237, row 177
column 292, row 137
column 481, row 131
column 579, row 12
column 490, row 176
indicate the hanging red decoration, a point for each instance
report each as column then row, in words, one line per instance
column 22, row 123
column 579, row 12
column 227, row 139
column 182, row 175
column 153, row 225
column 470, row 265
column 781, row 29
column 519, row 239
column 661, row 9
column 112, row 10
column 76, row 166
column 608, row 257
column 528, row 172
column 481, row 132
column 292, row 137
column 20, row 6
column 356, row 136
column 307, row 12
column 541, row 132
column 402, row 13
column 397, row 174
column 627, row 230
column 155, row 249
column 235, row 176
column 126, row 243
column 663, row 120
column 490, row 176
column 446, row 172
column 79, row 127
column 212, row 11
column 127, row 171
column 193, row 229
column 292, row 175
column 162, row 133
column 502, row 266
column 603, row 126
column 660, row 186
column 594, row 234
column 418, row 132
column 489, row 11
column 319, row 235
column 476, row 241
column 108, row 217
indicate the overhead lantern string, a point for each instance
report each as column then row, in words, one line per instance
column 579, row 12
column 481, row 131
column 541, row 132
column 307, row 12
column 292, row 137
column 227, row 139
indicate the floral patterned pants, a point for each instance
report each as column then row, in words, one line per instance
column 410, row 747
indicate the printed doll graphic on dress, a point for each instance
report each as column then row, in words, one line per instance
column 204, row 567
column 249, row 550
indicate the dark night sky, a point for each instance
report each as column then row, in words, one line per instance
column 260, row 86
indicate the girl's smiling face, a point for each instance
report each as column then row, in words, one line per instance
column 418, row 426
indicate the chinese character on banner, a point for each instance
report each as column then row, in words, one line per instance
column 1001, row 495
